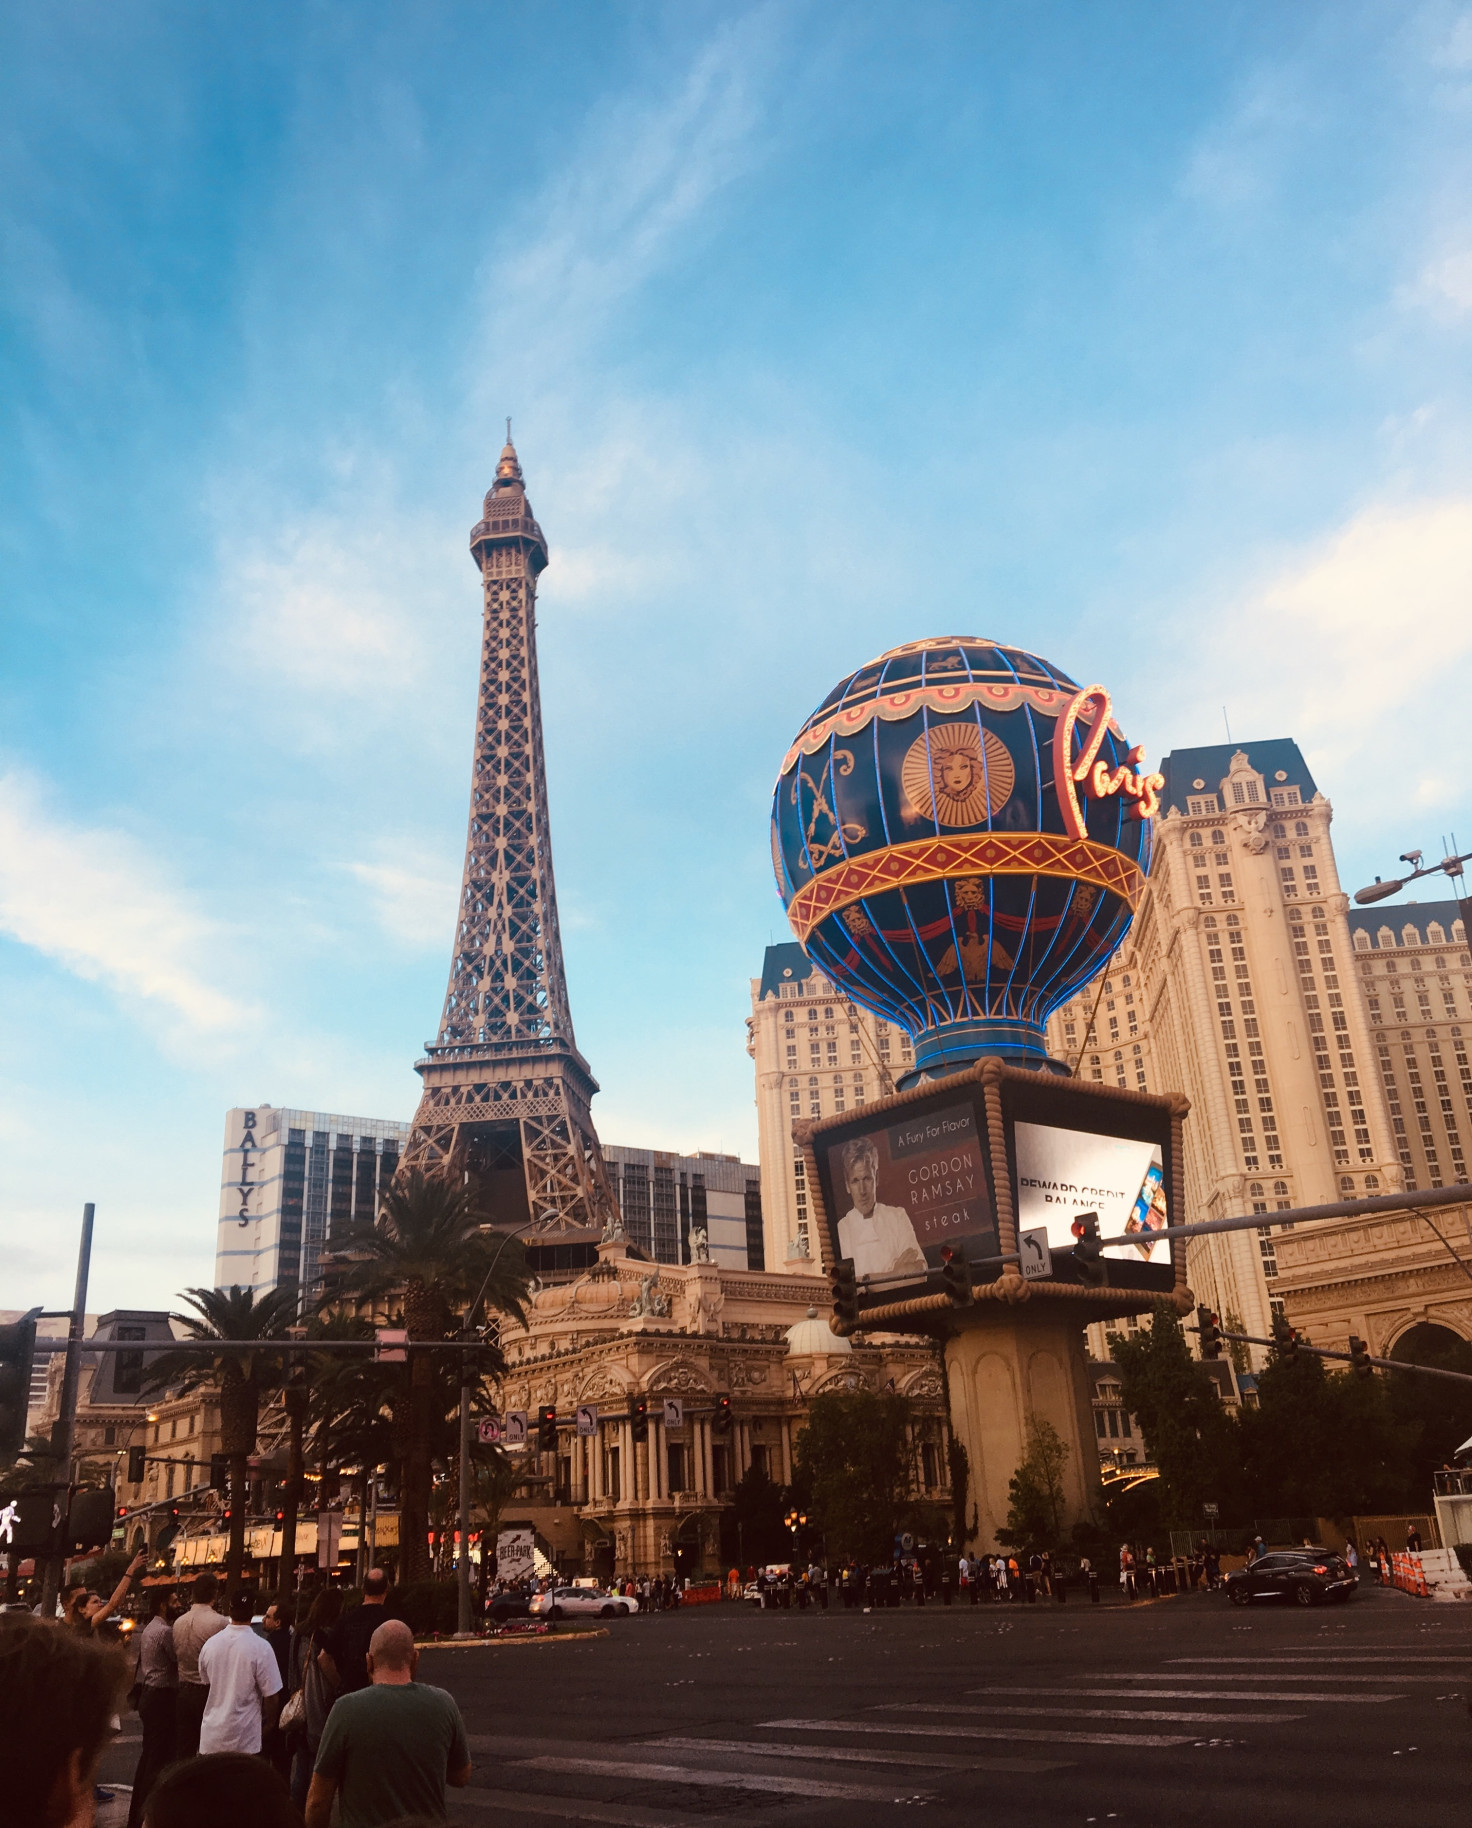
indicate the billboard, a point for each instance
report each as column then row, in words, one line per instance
column 904, row 1178
column 1061, row 1173
column 905, row 1188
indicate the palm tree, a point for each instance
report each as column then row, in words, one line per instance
column 350, row 1401
column 239, row 1316
column 429, row 1251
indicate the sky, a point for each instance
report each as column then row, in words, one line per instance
column 1136, row 336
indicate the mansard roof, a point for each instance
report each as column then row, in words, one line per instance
column 1275, row 756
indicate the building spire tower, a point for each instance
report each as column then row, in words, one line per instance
column 506, row 1093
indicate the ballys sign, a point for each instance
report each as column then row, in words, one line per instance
column 1079, row 774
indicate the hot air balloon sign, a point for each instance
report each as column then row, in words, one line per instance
column 961, row 836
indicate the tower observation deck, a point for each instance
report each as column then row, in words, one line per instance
column 507, row 1095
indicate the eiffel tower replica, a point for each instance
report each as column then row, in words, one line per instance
column 506, row 1093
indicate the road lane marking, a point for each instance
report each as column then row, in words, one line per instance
column 939, row 1761
column 1261, row 1674
column 701, row 1779
column 1189, row 1694
column 978, row 1732
column 568, row 1809
column 1323, row 1660
column 1087, row 1713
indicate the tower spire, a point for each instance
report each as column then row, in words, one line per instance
column 506, row 1093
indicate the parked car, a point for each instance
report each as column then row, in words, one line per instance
column 581, row 1602
column 513, row 1604
column 1305, row 1576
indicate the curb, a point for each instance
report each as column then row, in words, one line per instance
column 573, row 1637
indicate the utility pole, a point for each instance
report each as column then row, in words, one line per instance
column 462, row 1565
column 64, row 1434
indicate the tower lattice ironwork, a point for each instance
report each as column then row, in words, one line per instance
column 506, row 1093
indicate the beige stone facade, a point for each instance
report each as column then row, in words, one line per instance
column 632, row 1329
column 1240, row 965
column 817, row 1054
column 1415, row 975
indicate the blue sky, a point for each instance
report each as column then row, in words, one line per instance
column 1134, row 335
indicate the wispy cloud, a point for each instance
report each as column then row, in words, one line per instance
column 413, row 896
column 640, row 180
column 96, row 904
column 1361, row 648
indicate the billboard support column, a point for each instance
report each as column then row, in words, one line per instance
column 1007, row 1365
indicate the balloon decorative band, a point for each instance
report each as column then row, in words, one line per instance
column 904, row 866
column 996, row 695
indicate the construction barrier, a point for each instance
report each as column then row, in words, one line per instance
column 1407, row 1573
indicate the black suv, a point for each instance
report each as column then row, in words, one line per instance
column 1305, row 1576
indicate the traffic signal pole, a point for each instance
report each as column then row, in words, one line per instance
column 1349, row 1358
column 64, row 1435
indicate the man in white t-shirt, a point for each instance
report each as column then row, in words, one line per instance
column 880, row 1239
column 244, row 1683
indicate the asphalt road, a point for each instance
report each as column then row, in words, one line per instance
column 1181, row 1713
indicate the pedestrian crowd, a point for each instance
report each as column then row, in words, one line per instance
column 246, row 1723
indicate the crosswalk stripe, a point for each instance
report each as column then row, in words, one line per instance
column 980, row 1732
column 704, row 1779
column 1325, row 1659
column 860, row 1755
column 1122, row 1715
column 1262, row 1674
column 567, row 1809
column 1190, row 1694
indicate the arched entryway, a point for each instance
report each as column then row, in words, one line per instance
column 1429, row 1343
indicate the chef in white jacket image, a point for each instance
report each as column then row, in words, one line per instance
column 880, row 1239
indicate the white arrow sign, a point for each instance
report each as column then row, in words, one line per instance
column 674, row 1412
column 1037, row 1259
column 587, row 1420
column 513, row 1428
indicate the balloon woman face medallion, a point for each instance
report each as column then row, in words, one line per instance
column 958, row 774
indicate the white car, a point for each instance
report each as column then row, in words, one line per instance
column 582, row 1602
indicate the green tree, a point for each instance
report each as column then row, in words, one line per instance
column 1188, row 1434
column 752, row 1531
column 430, row 1252
column 853, row 1458
column 243, row 1378
column 1322, row 1444
column 1035, row 1491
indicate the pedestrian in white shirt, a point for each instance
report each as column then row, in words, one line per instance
column 244, row 1684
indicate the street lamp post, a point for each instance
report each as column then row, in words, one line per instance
column 1450, row 866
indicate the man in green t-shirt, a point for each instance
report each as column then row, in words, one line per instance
column 388, row 1750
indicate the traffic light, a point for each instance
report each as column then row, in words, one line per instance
column 219, row 1472
column 1285, row 1340
column 92, row 1515
column 1359, row 1357
column 17, row 1349
column 956, row 1273
column 137, row 1465
column 722, row 1419
column 1088, row 1253
column 844, row 1280
column 547, row 1428
column 639, row 1416
column 1209, row 1328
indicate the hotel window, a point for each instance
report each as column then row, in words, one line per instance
column 1286, row 796
column 1203, row 807
column 1197, row 841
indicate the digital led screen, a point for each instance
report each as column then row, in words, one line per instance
column 1061, row 1173
column 902, row 1191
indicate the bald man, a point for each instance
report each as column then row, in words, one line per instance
column 388, row 1750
